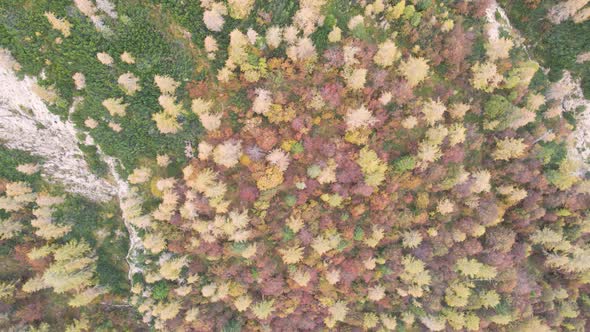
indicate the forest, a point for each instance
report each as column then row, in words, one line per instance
column 295, row 165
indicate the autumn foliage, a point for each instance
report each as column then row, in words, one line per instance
column 355, row 187
column 396, row 167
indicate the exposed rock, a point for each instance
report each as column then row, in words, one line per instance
column 26, row 124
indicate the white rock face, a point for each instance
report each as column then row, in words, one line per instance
column 571, row 99
column 568, row 91
column 26, row 124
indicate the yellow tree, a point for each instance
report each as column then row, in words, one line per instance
column 415, row 70
column 509, row 148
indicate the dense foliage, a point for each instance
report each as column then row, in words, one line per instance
column 311, row 165
column 58, row 253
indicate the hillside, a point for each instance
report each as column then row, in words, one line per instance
column 313, row 165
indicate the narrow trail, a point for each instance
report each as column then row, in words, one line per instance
column 124, row 193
